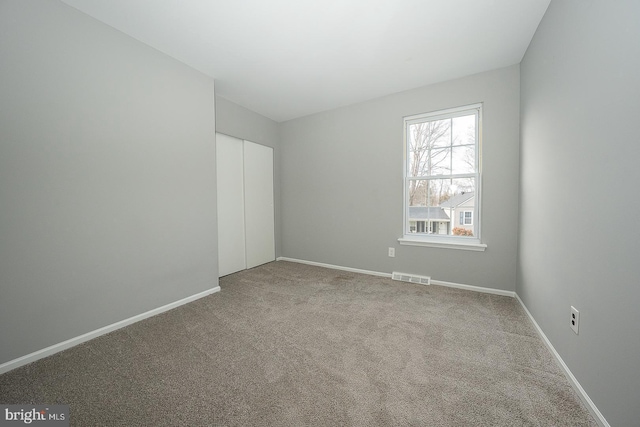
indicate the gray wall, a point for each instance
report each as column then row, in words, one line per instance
column 341, row 183
column 579, row 206
column 107, row 177
column 237, row 121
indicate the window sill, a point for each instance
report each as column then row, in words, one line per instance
column 446, row 243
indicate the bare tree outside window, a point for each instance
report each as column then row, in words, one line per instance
column 427, row 155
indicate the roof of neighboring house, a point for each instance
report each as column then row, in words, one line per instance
column 423, row 213
column 456, row 200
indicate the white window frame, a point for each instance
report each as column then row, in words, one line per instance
column 446, row 241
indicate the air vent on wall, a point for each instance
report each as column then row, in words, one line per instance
column 411, row 278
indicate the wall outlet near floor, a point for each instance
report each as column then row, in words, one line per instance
column 392, row 252
column 575, row 319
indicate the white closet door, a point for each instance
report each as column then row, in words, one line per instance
column 258, row 196
column 230, row 184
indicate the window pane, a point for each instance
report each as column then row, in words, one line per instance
column 462, row 206
column 417, row 192
column 464, row 130
column 429, row 150
column 463, row 159
column 439, row 191
column 440, row 161
column 441, row 206
column 439, row 131
column 425, row 213
column 416, row 165
column 417, row 212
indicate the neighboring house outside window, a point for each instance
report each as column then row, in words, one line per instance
column 442, row 178
column 460, row 207
column 429, row 220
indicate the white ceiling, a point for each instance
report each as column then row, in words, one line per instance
column 290, row 58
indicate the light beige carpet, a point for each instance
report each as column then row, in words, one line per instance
column 288, row 344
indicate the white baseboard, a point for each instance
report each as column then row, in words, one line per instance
column 567, row 372
column 474, row 288
column 335, row 267
column 377, row 273
column 32, row 357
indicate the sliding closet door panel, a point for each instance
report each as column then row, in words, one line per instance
column 231, row 238
column 258, row 212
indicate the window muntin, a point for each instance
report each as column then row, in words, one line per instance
column 442, row 174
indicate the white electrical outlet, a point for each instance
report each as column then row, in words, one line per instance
column 575, row 319
column 392, row 252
